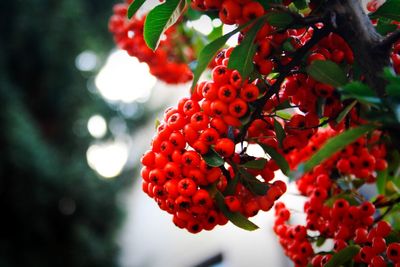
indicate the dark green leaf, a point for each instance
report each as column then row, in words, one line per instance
column 381, row 181
column 209, row 51
column 231, row 187
column 215, row 33
column 390, row 10
column 134, row 7
column 345, row 111
column 300, row 4
column 336, row 144
column 192, row 14
column 213, row 159
column 235, row 217
column 252, row 183
column 328, row 72
column 257, row 164
column 280, row 20
column 359, row 91
column 267, row 3
column 283, row 105
column 280, row 132
column 320, row 241
column 385, row 26
column 160, row 19
column 279, row 159
column 242, row 55
column 343, row 256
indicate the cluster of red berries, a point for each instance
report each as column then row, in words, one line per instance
column 327, row 212
column 348, row 224
column 362, row 160
column 168, row 62
column 175, row 172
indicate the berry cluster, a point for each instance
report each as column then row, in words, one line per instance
column 359, row 160
column 328, row 213
column 175, row 171
column 168, row 62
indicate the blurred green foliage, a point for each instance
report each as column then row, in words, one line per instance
column 55, row 211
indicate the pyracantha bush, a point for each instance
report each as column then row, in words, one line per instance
column 312, row 83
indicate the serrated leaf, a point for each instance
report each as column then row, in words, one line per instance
column 213, row 159
column 345, row 111
column 257, row 164
column 281, row 20
column 209, row 51
column 277, row 157
column 390, row 10
column 160, row 19
column 328, row 72
column 135, row 5
column 242, row 55
column 252, row 183
column 235, row 217
column 336, row 144
column 343, row 256
column 280, row 132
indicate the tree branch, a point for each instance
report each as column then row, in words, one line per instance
column 390, row 39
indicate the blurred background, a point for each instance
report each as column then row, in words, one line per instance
column 76, row 116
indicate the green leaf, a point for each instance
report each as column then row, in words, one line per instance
column 283, row 115
column 345, row 111
column 252, row 183
column 359, row 91
column 280, row 20
column 242, row 55
column 213, row 159
column 300, row 4
column 231, row 187
column 320, row 241
column 160, row 19
column 235, row 217
column 209, row 51
column 279, row 159
column 136, row 4
column 343, row 256
column 280, row 132
column 385, row 26
column 381, row 181
column 328, row 72
column 284, row 105
column 336, row 144
column 257, row 164
column 390, row 10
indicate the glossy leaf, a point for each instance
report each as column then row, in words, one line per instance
column 343, row 256
column 328, row 72
column 160, row 19
column 136, row 4
column 345, row 111
column 280, row 20
column 359, row 91
column 277, row 157
column 257, row 164
column 213, row 159
column 300, row 4
column 390, row 10
column 252, row 183
column 209, row 51
column 280, row 132
column 236, row 218
column 242, row 55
